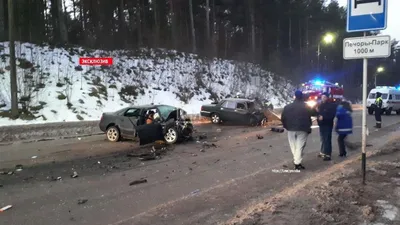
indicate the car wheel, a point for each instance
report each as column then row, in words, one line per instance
column 398, row 112
column 171, row 136
column 253, row 121
column 370, row 111
column 113, row 134
column 215, row 119
column 388, row 112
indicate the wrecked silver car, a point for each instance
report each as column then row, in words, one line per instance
column 148, row 122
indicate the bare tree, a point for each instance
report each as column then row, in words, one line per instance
column 192, row 26
column 173, row 24
column 156, row 24
column 139, row 23
column 61, row 23
column 253, row 27
column 208, row 21
column 13, row 72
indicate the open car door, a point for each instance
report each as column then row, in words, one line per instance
column 150, row 133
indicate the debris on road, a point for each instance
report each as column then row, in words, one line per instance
column 219, row 130
column 82, row 201
column 5, row 208
column 195, row 192
column 1, row 185
column 259, row 136
column 136, row 182
column 54, row 178
column 208, row 145
column 277, row 129
column 74, row 174
column 6, row 172
column 148, row 157
column 202, row 150
column 201, row 137
column 19, row 168
column 34, row 157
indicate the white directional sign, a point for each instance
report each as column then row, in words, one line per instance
column 367, row 47
column 366, row 15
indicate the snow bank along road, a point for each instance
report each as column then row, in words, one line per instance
column 65, row 129
column 187, row 186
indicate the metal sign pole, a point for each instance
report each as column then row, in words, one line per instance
column 364, row 117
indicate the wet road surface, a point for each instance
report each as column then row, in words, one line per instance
column 191, row 184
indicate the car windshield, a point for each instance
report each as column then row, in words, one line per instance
column 165, row 110
column 253, row 106
column 373, row 96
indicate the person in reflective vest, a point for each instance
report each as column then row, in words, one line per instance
column 378, row 110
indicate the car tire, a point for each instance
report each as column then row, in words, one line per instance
column 215, row 119
column 388, row 112
column 398, row 112
column 113, row 134
column 370, row 111
column 253, row 121
column 171, row 135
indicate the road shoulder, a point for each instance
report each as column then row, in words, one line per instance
column 338, row 196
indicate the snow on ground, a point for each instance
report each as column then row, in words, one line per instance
column 55, row 88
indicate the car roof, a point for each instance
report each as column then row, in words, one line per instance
column 238, row 100
column 148, row 106
column 384, row 91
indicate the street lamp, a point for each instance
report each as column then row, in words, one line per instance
column 379, row 70
column 328, row 38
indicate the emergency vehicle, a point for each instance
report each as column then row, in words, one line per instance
column 390, row 98
column 314, row 89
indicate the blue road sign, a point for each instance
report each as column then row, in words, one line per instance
column 366, row 15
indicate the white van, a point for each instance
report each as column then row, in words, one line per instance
column 390, row 97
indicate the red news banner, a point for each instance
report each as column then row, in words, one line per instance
column 96, row 61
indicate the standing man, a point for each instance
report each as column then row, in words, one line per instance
column 378, row 110
column 325, row 116
column 296, row 119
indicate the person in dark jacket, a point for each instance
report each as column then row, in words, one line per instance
column 296, row 119
column 344, row 125
column 326, row 113
column 378, row 110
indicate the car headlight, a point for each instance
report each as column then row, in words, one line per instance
column 311, row 103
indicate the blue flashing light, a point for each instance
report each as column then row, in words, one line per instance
column 398, row 88
column 318, row 82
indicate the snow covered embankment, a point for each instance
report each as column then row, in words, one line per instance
column 54, row 88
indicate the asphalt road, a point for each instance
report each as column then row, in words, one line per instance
column 192, row 184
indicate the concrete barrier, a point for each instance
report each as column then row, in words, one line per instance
column 48, row 131
column 71, row 129
column 37, row 132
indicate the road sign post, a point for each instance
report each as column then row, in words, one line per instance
column 364, row 118
column 366, row 15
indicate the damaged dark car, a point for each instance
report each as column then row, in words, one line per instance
column 234, row 110
column 149, row 123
